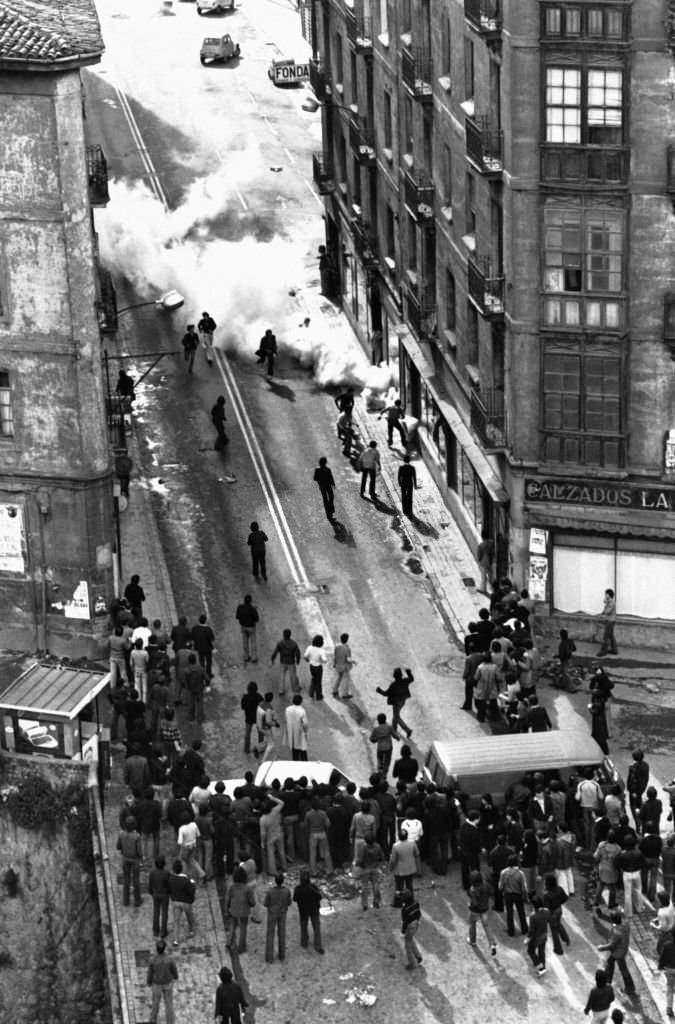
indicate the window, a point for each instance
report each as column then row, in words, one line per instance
column 468, row 69
column 583, row 256
column 471, row 334
column 408, row 139
column 384, row 16
column 412, row 243
column 339, row 60
column 356, row 181
column 447, row 176
column 387, row 120
column 354, row 81
column 573, row 21
column 470, row 205
column 6, row 417
column 581, row 404
column 446, row 47
column 552, row 21
column 592, row 23
column 563, row 105
column 596, row 117
column 613, row 23
column 450, row 301
column 389, row 232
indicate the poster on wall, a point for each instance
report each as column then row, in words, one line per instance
column 78, row 606
column 538, row 576
column 12, row 541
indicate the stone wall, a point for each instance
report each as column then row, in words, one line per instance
column 51, row 954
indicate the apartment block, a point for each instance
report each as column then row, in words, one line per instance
column 499, row 180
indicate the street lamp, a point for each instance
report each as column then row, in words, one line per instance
column 170, row 301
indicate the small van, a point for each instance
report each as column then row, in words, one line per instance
column 492, row 764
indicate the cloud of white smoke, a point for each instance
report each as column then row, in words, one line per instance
column 244, row 283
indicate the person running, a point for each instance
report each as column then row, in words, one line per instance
column 537, row 935
column 479, row 909
column 397, row 693
column 617, row 946
column 395, row 414
column 190, row 345
column 267, row 350
column 323, row 476
column 206, row 328
column 383, row 734
column 257, row 539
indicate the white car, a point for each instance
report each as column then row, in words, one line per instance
column 321, row 772
column 208, row 6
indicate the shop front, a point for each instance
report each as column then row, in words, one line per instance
column 467, row 480
column 587, row 537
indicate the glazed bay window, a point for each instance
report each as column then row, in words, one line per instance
column 6, row 416
column 581, row 414
column 584, row 106
column 583, row 267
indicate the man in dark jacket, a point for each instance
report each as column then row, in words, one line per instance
column 195, row 682
column 203, row 641
column 158, row 888
column 636, row 784
column 308, row 897
column 267, row 350
column 229, row 997
column 162, row 972
column 617, row 946
column 249, row 705
column 257, row 539
column 397, row 693
column 410, row 922
column 182, row 893
column 129, row 845
column 323, row 476
column 407, row 481
column 469, row 843
column 248, row 618
column 289, row 658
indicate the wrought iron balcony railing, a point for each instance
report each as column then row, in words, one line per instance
column 322, row 173
column 362, row 141
column 484, row 16
column 359, row 31
column 485, row 146
column 486, row 290
column 417, row 73
column 97, row 174
column 422, row 309
column 419, row 192
column 107, row 302
column 488, row 416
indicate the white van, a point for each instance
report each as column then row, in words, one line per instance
column 491, row 764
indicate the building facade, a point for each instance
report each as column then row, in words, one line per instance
column 498, row 183
column 56, row 531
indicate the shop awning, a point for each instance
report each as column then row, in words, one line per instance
column 599, row 520
column 53, row 691
column 465, row 438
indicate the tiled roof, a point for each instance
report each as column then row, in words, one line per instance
column 49, row 32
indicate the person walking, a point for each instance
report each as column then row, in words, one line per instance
column 315, row 656
column 554, row 898
column 666, row 963
column 395, row 414
column 589, row 796
column 229, row 997
column 249, row 705
column 289, row 658
column 369, row 862
column 195, row 682
column 410, row 922
column 370, row 465
column 636, row 784
column 600, row 998
column 187, row 839
column 158, row 889
column 182, row 894
column 566, row 649
column 608, row 619
column 129, row 845
column 397, row 693
column 630, row 863
column 485, row 556
column 162, row 972
column 599, row 730
column 605, row 856
column 239, row 902
column 323, row 476
column 218, row 419
column 267, row 350
column 407, row 481
column 204, row 642
column 135, row 595
column 248, row 618
column 206, row 328
column 479, row 909
column 296, row 729
column 513, row 887
column 537, row 932
column 383, row 734
column 617, row 946
column 317, row 824
column 277, row 901
column 257, row 539
column 190, row 346
column 308, row 898
column 123, row 467
column 404, row 864
column 343, row 664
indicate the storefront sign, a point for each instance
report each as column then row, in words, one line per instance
column 78, row 607
column 605, row 495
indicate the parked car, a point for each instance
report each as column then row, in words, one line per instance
column 321, row 772
column 218, row 48
column 209, row 6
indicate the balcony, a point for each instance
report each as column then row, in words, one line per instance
column 584, row 165
column 488, row 417
column 97, row 174
column 484, row 16
column 421, row 310
column 322, row 173
column 319, row 79
column 107, row 302
column 359, row 31
column 362, row 141
column 485, row 146
column 487, row 292
column 416, row 72
column 419, row 193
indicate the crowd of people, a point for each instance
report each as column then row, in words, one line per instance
column 516, row 862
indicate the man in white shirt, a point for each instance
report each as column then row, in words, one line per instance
column 188, row 837
column 142, row 632
column 296, row 728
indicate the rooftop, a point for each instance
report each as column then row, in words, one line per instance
column 45, row 35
